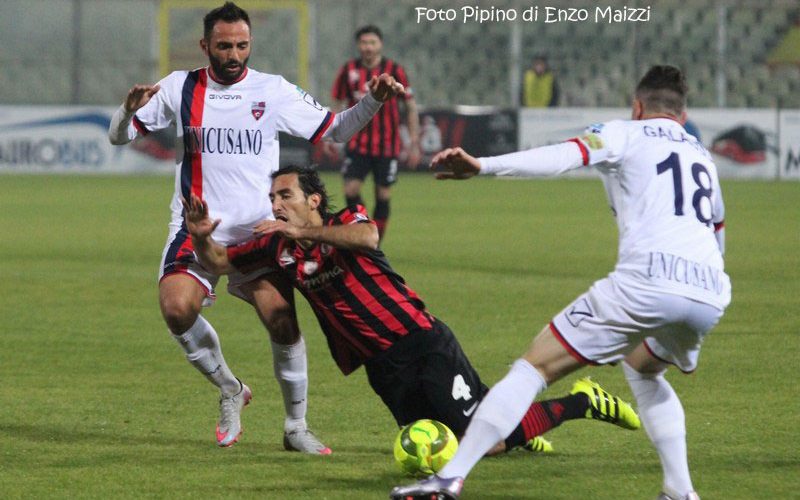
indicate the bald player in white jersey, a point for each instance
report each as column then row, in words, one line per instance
column 667, row 291
column 227, row 118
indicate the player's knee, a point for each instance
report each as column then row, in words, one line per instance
column 180, row 313
column 282, row 326
column 633, row 374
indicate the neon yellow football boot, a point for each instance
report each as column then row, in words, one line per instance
column 538, row 444
column 606, row 407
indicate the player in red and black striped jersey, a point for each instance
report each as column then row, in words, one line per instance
column 365, row 309
column 376, row 147
column 362, row 304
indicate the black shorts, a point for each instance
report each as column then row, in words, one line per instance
column 384, row 170
column 427, row 375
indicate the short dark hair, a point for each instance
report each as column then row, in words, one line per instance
column 310, row 182
column 370, row 28
column 229, row 13
column 663, row 89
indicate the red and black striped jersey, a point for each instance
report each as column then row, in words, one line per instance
column 363, row 306
column 381, row 136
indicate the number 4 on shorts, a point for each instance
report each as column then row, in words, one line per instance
column 460, row 389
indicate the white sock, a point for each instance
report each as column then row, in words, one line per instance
column 201, row 344
column 291, row 370
column 496, row 417
column 663, row 418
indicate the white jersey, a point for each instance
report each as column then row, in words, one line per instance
column 228, row 140
column 664, row 191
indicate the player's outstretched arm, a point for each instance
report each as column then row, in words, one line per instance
column 347, row 123
column 211, row 254
column 553, row 159
column 457, row 164
column 347, row 236
column 120, row 130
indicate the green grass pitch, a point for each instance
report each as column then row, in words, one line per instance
column 96, row 401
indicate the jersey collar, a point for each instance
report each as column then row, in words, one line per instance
column 241, row 77
column 659, row 116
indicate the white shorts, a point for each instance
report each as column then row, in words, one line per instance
column 606, row 323
column 178, row 257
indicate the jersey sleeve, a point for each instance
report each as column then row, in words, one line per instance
column 717, row 204
column 719, row 208
column 159, row 112
column 300, row 115
column 602, row 142
column 252, row 254
column 356, row 214
column 718, row 216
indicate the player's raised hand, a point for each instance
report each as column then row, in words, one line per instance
column 198, row 223
column 457, row 163
column 139, row 95
column 384, row 87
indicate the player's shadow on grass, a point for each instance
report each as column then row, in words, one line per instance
column 72, row 436
column 61, row 435
column 252, row 450
column 358, row 485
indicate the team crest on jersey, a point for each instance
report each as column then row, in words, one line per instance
column 310, row 267
column 353, row 75
column 258, row 109
column 325, row 249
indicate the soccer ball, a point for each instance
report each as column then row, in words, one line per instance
column 424, row 447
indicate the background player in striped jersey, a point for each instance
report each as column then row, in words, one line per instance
column 668, row 290
column 371, row 317
column 377, row 147
column 227, row 118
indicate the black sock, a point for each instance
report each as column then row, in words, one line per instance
column 353, row 200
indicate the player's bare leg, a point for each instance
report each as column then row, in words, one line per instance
column 181, row 299
column 383, row 195
column 273, row 299
column 663, row 418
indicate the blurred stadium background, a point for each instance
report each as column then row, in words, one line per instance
column 97, row 402
column 68, row 63
column 91, row 51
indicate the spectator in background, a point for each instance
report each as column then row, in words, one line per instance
column 539, row 87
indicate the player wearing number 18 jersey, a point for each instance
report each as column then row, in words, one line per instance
column 667, row 291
